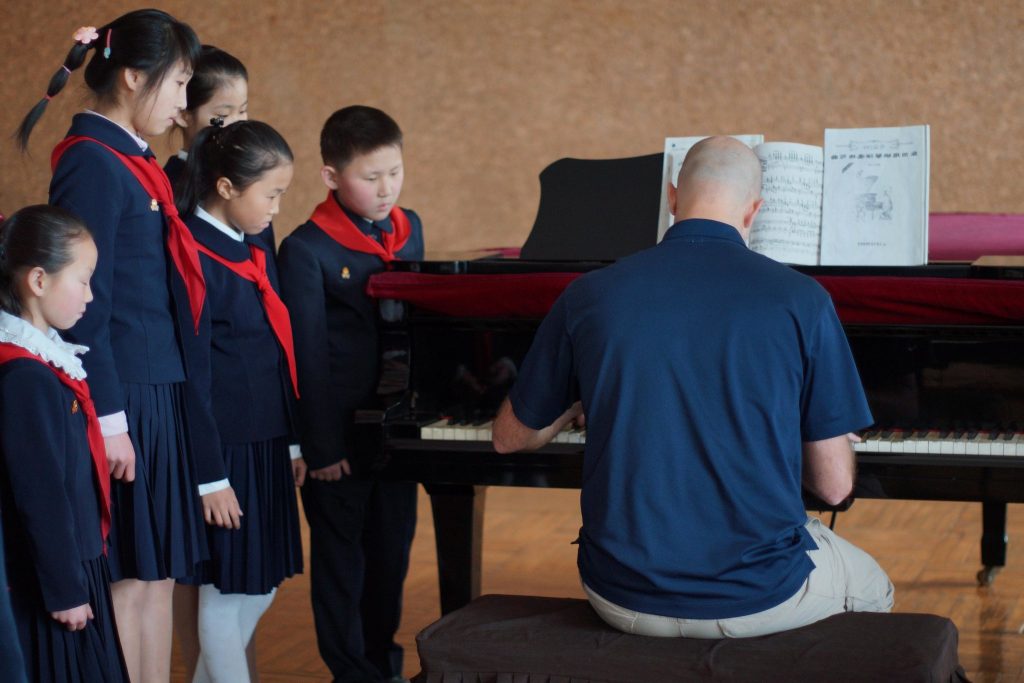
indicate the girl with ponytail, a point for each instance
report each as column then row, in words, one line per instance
column 230, row 190
column 143, row 328
column 54, row 482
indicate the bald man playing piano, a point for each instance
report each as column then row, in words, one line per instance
column 716, row 384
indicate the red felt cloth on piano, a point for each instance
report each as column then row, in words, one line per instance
column 858, row 299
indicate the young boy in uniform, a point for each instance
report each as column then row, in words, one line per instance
column 361, row 528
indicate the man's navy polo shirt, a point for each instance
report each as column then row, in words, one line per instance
column 702, row 367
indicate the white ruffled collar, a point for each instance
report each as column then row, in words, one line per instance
column 49, row 346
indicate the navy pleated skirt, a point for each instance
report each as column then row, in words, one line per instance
column 53, row 653
column 268, row 547
column 157, row 528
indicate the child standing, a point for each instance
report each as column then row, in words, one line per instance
column 230, row 191
column 217, row 95
column 142, row 327
column 54, row 482
column 361, row 527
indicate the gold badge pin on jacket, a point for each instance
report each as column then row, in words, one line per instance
column 74, row 406
column 345, row 274
column 154, row 205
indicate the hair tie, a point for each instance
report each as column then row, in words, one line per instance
column 48, row 97
column 106, row 50
column 65, row 67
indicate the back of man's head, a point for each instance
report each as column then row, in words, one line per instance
column 721, row 180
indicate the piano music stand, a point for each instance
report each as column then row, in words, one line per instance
column 596, row 209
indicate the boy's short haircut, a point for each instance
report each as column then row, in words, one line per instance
column 356, row 130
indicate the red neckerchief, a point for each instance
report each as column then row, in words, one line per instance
column 100, row 469
column 277, row 313
column 180, row 242
column 332, row 219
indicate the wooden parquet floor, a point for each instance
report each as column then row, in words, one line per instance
column 929, row 549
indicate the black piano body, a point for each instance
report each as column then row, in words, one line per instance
column 948, row 400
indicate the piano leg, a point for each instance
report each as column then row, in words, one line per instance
column 993, row 541
column 458, row 531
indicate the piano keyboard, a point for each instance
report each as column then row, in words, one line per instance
column 449, row 430
column 934, row 442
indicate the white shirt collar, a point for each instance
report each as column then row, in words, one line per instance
column 182, row 154
column 236, row 235
column 143, row 145
column 48, row 346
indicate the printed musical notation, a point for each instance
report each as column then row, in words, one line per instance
column 788, row 226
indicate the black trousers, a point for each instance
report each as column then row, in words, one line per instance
column 361, row 532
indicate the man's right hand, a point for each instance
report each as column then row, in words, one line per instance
column 331, row 472
column 120, row 456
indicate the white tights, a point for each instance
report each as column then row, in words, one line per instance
column 226, row 624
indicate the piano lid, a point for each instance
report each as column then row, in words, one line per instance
column 596, row 209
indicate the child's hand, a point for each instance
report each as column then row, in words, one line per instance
column 332, row 472
column 299, row 471
column 221, row 508
column 120, row 456
column 74, row 619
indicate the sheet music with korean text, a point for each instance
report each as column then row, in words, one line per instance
column 875, row 209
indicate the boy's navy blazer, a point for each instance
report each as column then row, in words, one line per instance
column 138, row 327
column 48, row 502
column 248, row 381
column 335, row 326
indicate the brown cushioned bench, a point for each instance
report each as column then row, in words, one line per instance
column 527, row 639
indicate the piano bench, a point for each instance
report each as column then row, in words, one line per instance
column 528, row 639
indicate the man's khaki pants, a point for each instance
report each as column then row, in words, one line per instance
column 844, row 579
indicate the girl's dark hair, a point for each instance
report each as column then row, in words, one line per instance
column 213, row 68
column 147, row 39
column 241, row 152
column 37, row 236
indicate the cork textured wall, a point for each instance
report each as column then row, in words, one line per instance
column 488, row 93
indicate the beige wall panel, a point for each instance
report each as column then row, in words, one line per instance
column 488, row 93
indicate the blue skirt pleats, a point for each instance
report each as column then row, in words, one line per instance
column 157, row 529
column 268, row 547
column 52, row 653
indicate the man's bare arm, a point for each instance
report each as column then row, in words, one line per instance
column 829, row 467
column 510, row 435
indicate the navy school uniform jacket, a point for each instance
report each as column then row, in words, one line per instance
column 250, row 388
column 48, row 501
column 138, row 327
column 336, row 336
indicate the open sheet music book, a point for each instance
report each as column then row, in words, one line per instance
column 860, row 200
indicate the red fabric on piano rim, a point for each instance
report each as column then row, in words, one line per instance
column 864, row 300
column 860, row 299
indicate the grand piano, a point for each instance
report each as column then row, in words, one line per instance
column 940, row 350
